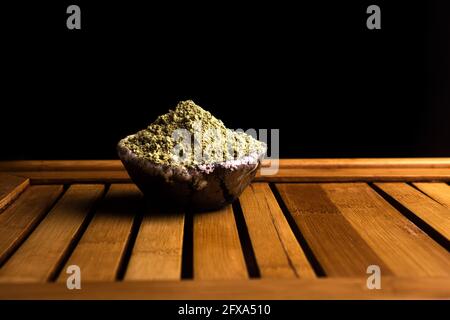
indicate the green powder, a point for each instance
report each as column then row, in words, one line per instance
column 190, row 136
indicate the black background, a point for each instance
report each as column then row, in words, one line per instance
column 280, row 309
column 313, row 70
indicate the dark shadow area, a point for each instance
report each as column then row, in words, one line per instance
column 436, row 236
column 187, row 258
column 332, row 87
column 312, row 259
column 246, row 243
column 78, row 236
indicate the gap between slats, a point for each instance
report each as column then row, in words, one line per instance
column 217, row 250
column 126, row 270
column 429, row 215
column 21, row 218
column 396, row 242
column 246, row 242
column 339, row 248
column 438, row 191
column 39, row 257
column 156, row 252
column 59, row 269
column 277, row 252
column 102, row 248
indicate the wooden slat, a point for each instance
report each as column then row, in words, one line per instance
column 40, row 255
column 405, row 249
column 283, row 175
column 111, row 165
column 438, row 191
column 21, row 217
column 68, row 177
column 262, row 289
column 158, row 248
column 100, row 250
column 10, row 188
column 357, row 174
column 426, row 209
column 277, row 251
column 217, row 250
column 340, row 250
column 61, row 165
column 291, row 170
column 362, row 163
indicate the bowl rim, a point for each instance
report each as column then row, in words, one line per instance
column 253, row 159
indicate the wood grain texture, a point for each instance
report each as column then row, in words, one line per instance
column 40, row 255
column 217, row 249
column 111, row 165
column 10, row 188
column 426, row 209
column 356, row 174
column 61, row 165
column 263, row 289
column 283, row 175
column 362, row 163
column 405, row 248
column 68, row 177
column 291, row 170
column 438, row 191
column 19, row 219
column 101, row 248
column 338, row 247
column 158, row 248
column 346, row 226
column 277, row 252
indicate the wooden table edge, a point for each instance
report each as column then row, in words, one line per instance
column 255, row 289
column 112, row 165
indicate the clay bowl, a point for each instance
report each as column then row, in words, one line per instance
column 201, row 188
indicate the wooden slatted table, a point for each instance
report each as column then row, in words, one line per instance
column 308, row 232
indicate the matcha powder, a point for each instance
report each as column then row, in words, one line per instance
column 191, row 136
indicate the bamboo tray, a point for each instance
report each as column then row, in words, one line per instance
column 309, row 232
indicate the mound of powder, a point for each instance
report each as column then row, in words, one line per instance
column 190, row 136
